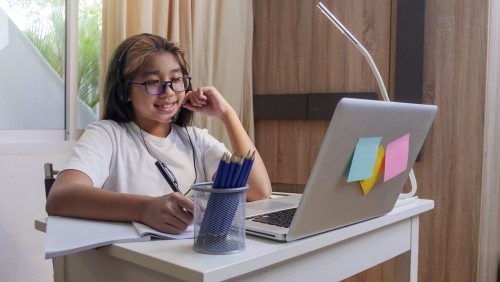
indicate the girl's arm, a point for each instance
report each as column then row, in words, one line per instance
column 209, row 101
column 72, row 195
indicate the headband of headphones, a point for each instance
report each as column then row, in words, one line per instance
column 122, row 93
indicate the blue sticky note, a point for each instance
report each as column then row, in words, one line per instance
column 363, row 160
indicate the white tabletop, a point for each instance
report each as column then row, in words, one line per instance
column 178, row 259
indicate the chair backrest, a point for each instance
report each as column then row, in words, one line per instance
column 50, row 177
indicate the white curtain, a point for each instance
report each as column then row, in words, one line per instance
column 216, row 35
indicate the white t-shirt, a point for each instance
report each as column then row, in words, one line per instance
column 114, row 156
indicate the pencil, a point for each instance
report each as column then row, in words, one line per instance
column 247, row 167
column 236, row 172
column 220, row 176
column 228, row 178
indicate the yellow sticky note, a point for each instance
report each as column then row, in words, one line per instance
column 368, row 184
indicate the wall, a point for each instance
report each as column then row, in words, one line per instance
column 454, row 79
column 32, row 96
column 23, row 201
column 489, row 244
column 458, row 166
column 297, row 50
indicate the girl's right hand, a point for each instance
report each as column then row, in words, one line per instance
column 171, row 213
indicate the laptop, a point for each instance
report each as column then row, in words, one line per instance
column 329, row 200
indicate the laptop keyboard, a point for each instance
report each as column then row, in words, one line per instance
column 281, row 218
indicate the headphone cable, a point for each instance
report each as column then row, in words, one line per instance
column 166, row 172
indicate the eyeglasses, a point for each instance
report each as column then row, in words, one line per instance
column 158, row 87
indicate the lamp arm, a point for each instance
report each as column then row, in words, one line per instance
column 375, row 71
column 378, row 77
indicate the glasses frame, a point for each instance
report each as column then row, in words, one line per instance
column 164, row 87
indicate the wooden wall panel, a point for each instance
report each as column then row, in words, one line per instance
column 451, row 167
column 489, row 242
column 289, row 148
column 296, row 50
column 450, row 173
column 283, row 54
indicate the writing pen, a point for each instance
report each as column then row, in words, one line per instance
column 168, row 175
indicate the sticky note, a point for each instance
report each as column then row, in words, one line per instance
column 363, row 160
column 396, row 157
column 367, row 185
column 345, row 173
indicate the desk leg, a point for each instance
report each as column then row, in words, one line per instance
column 58, row 265
column 407, row 263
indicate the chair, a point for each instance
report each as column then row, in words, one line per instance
column 50, row 177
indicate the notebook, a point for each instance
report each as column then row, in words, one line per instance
column 67, row 235
column 331, row 199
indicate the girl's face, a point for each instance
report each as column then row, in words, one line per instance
column 154, row 112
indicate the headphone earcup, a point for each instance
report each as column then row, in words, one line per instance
column 120, row 90
column 119, row 93
column 123, row 94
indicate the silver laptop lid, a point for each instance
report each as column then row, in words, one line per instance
column 329, row 201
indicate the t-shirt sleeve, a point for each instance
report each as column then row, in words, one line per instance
column 212, row 150
column 92, row 154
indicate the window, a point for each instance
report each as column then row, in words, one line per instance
column 35, row 95
column 89, row 60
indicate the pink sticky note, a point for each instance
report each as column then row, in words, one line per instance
column 396, row 157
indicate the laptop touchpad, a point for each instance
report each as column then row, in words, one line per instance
column 260, row 207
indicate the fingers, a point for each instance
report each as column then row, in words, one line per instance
column 206, row 100
column 171, row 213
column 180, row 207
column 171, row 226
column 197, row 97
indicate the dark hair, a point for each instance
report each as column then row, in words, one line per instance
column 127, row 58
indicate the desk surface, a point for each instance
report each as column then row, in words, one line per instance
column 178, row 259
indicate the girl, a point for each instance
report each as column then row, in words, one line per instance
column 149, row 104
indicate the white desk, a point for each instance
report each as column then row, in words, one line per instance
column 331, row 256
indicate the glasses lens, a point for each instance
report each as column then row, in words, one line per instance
column 180, row 84
column 155, row 87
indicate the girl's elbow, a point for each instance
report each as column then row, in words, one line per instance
column 259, row 194
column 51, row 206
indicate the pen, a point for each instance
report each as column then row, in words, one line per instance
column 168, row 175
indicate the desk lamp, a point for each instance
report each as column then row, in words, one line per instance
column 377, row 75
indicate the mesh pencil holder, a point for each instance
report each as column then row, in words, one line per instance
column 219, row 219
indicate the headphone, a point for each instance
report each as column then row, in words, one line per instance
column 122, row 93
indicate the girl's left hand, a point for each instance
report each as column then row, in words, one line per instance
column 206, row 100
